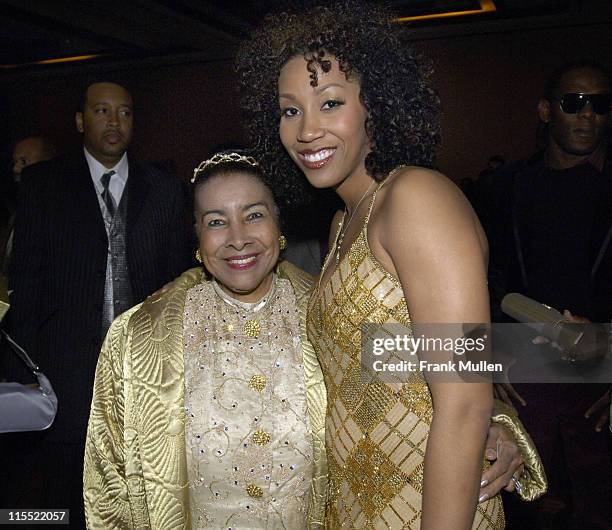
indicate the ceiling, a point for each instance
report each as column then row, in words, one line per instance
column 39, row 35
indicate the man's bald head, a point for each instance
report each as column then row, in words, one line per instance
column 29, row 151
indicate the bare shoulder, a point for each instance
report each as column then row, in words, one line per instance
column 422, row 196
column 421, row 187
column 421, row 210
column 426, row 234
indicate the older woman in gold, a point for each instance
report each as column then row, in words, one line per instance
column 209, row 403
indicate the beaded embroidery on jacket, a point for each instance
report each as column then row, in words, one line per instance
column 249, row 452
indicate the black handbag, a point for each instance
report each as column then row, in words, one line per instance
column 26, row 407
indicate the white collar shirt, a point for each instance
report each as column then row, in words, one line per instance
column 117, row 181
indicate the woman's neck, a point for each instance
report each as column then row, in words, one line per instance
column 247, row 302
column 353, row 189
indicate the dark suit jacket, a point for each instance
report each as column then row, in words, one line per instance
column 508, row 227
column 59, row 267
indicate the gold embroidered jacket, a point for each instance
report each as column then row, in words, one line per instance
column 135, row 464
column 135, row 472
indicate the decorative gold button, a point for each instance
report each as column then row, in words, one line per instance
column 258, row 382
column 261, row 437
column 252, row 328
column 254, row 491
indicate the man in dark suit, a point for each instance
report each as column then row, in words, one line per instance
column 549, row 231
column 95, row 233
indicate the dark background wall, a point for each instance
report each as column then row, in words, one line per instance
column 489, row 85
column 181, row 110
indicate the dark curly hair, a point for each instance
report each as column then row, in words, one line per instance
column 403, row 109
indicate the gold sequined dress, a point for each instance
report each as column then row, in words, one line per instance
column 375, row 435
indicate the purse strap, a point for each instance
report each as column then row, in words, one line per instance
column 21, row 353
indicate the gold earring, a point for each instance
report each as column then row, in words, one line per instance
column 282, row 241
column 198, row 256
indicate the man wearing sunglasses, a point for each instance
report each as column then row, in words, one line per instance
column 550, row 231
column 577, row 111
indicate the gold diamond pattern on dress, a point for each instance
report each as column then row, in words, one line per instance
column 254, row 491
column 416, row 478
column 261, row 437
column 376, row 434
column 252, row 328
column 368, row 461
column 357, row 255
column 410, row 396
column 350, row 392
column 258, row 382
column 376, row 401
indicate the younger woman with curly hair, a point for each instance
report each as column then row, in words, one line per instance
column 356, row 113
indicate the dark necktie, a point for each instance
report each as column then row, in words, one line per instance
column 106, row 194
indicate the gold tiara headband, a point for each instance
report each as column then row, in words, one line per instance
column 221, row 158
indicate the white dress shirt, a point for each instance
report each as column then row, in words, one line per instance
column 116, row 187
column 117, row 181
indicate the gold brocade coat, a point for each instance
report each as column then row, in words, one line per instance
column 135, row 474
column 135, row 463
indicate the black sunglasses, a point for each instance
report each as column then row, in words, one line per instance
column 574, row 103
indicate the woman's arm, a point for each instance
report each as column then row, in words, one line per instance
column 438, row 251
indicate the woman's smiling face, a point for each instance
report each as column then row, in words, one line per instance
column 322, row 127
column 237, row 227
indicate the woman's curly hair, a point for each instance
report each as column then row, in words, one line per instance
column 403, row 109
